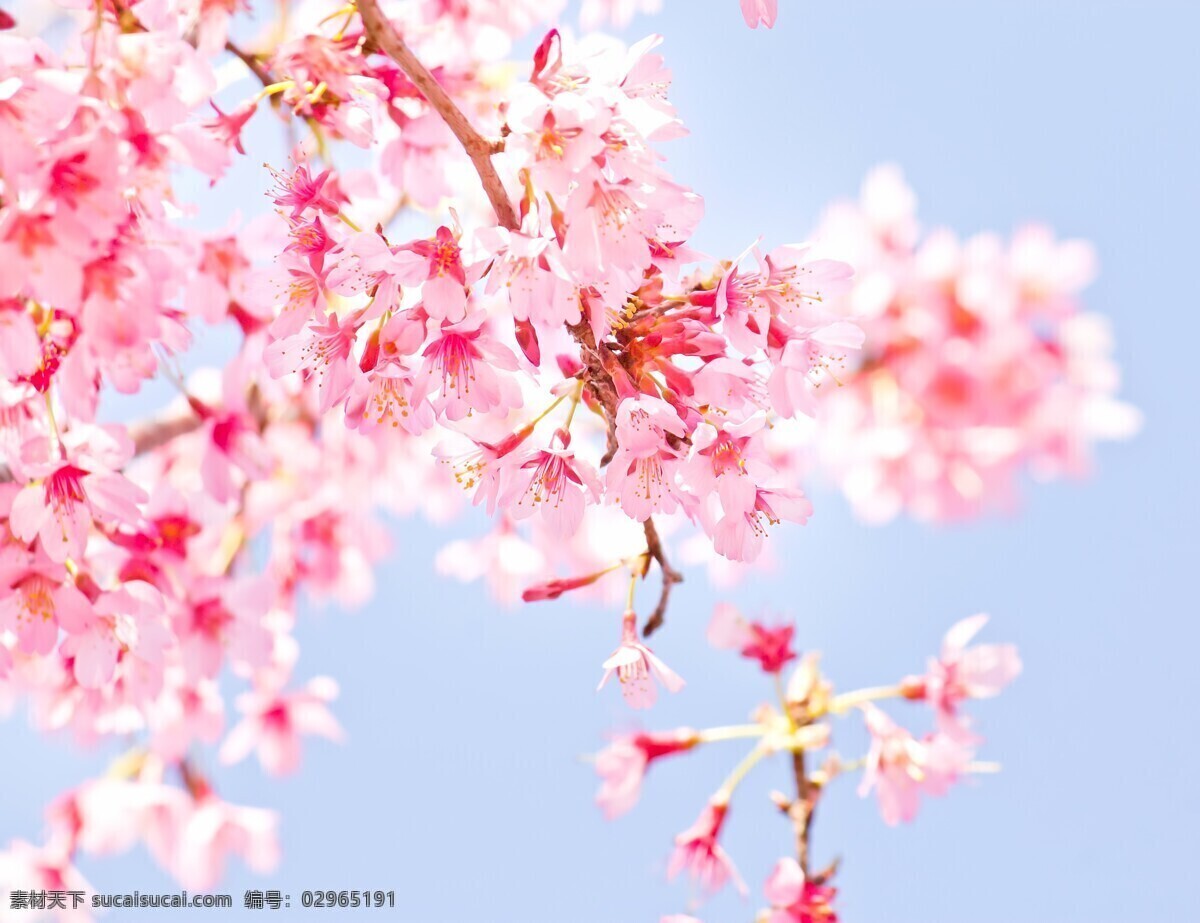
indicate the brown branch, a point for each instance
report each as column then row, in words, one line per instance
column 384, row 36
column 381, row 35
column 801, row 810
column 670, row 577
column 252, row 62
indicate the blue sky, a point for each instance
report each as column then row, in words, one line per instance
column 460, row 786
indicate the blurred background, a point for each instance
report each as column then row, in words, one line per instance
column 460, row 786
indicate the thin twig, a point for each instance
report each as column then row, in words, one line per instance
column 252, row 62
column 670, row 577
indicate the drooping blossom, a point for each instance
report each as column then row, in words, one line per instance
column 636, row 668
column 899, row 767
column 623, row 764
column 699, row 853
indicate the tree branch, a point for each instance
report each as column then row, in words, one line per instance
column 382, row 36
column 256, row 67
column 801, row 810
column 670, row 577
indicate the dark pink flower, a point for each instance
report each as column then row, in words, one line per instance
column 623, row 764
column 794, row 899
column 699, row 854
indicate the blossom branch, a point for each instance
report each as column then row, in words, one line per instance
column 382, row 35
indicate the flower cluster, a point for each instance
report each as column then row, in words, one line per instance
column 506, row 302
column 898, row 767
column 980, row 363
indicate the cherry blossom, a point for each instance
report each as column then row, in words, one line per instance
column 623, row 764
column 899, row 767
column 795, row 899
column 496, row 300
column 698, row 852
column 636, row 667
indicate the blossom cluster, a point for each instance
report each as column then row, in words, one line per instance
column 506, row 302
column 898, row 767
column 980, row 364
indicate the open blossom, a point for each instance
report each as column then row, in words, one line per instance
column 900, row 767
column 771, row 646
column 321, row 353
column 300, row 191
column 67, row 494
column 39, row 596
column 194, row 839
column 738, row 535
column 643, row 423
column 274, row 722
column 462, row 371
column 961, row 672
column 554, row 485
column 806, row 362
column 636, row 667
column 796, row 899
column 369, row 265
column 125, row 627
column 443, row 293
column 643, row 485
column 24, row 866
column 530, row 269
column 623, row 764
column 698, row 852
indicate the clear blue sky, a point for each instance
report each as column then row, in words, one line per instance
column 459, row 787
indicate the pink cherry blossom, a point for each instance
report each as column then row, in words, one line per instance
column 66, row 495
column 795, row 899
column 462, row 371
column 623, row 764
column 771, row 646
column 444, row 292
column 38, row 594
column 900, row 767
column 321, row 353
column 643, row 485
column 554, row 485
column 274, row 722
column 636, row 667
column 738, row 535
column 962, row 672
column 698, row 852
column 643, row 422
